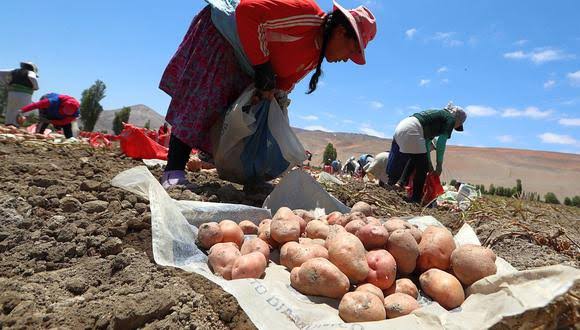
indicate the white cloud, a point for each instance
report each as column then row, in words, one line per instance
column 530, row 112
column 557, row 139
column 308, row 118
column 376, row 105
column 317, row 128
column 480, row 110
column 329, row 115
column 549, row 84
column 569, row 121
column 540, row 55
column 410, row 33
column 424, row 82
column 521, row 42
column 574, row 78
column 348, row 121
column 445, row 81
column 505, row 138
column 372, row 132
column 442, row 69
column 414, row 107
column 447, row 39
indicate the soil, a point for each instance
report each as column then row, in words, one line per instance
column 76, row 252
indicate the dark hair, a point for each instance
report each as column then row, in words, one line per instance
column 331, row 20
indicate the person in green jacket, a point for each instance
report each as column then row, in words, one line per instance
column 412, row 142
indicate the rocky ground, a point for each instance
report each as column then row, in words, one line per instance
column 76, row 252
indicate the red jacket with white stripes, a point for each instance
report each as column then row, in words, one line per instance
column 283, row 32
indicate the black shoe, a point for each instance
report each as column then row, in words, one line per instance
column 258, row 188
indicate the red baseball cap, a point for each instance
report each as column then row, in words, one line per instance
column 365, row 26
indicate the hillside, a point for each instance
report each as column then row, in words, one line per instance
column 139, row 115
column 540, row 171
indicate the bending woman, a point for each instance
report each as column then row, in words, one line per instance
column 273, row 44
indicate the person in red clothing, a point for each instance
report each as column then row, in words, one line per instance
column 58, row 109
column 271, row 43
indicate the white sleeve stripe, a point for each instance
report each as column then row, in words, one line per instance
column 294, row 22
column 297, row 17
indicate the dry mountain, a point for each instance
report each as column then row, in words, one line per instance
column 140, row 114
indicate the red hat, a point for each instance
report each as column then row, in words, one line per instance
column 70, row 106
column 365, row 26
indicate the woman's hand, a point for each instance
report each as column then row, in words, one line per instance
column 20, row 119
column 439, row 169
column 262, row 95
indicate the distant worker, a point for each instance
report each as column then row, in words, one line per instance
column 377, row 169
column 350, row 167
column 336, row 166
column 58, row 109
column 21, row 84
column 413, row 136
column 363, row 161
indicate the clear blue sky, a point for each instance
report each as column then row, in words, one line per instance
column 514, row 65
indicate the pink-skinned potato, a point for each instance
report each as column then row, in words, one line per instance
column 333, row 230
column 251, row 265
column 209, row 234
column 232, row 232
column 363, row 207
column 348, row 254
column 471, row 263
column 382, row 269
column 335, row 218
column 399, row 304
column 256, row 245
column 361, row 306
column 442, row 287
column 373, row 237
column 435, row 249
column 306, row 241
column 404, row 248
column 403, row 285
column 306, row 215
column 265, row 234
column 353, row 216
column 354, row 226
column 285, row 226
column 248, row 227
column 367, row 287
column 317, row 229
column 221, row 258
column 293, row 254
column 319, row 277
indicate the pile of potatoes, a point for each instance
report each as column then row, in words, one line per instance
column 373, row 266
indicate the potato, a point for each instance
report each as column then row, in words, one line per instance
column 399, row 304
column 374, row 221
column 373, row 237
column 471, row 263
column 256, row 245
column 435, row 249
column 319, row 277
column 403, row 247
column 232, row 232
column 335, row 218
column 251, row 265
column 293, row 254
column 352, row 217
column 265, row 221
column 221, row 258
column 367, row 287
column 317, row 229
column 248, row 227
column 382, row 269
column 209, row 234
column 285, row 226
column 333, row 230
column 395, row 223
column 265, row 234
column 354, row 226
column 362, row 207
column 348, row 254
column 360, row 306
column 403, row 285
column 306, row 240
column 416, row 232
column 442, row 287
column 306, row 215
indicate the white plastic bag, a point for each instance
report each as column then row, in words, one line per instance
column 256, row 142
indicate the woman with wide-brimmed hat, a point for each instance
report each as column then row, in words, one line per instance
column 271, row 43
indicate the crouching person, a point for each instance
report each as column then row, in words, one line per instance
column 57, row 109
